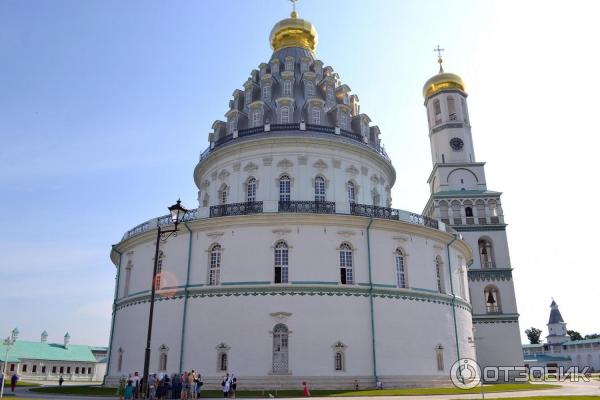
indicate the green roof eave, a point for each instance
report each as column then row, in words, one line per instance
column 24, row 350
column 471, row 193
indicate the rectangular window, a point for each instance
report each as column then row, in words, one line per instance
column 319, row 189
column 343, row 120
column 316, row 116
column 329, row 95
column 248, row 97
column 43, row 369
column 68, row 370
column 287, row 88
column 89, row 370
column 284, row 189
column 255, row 118
column 24, row 369
column 61, row 370
column 266, row 93
column 231, row 125
column 309, row 88
column 289, row 65
column 34, row 368
column 54, row 369
column 285, row 115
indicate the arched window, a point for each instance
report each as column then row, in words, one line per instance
column 159, row 266
column 492, row 299
column 351, row 192
column 266, row 92
column 287, row 88
column 231, row 125
column 329, row 94
column 119, row 360
column 162, row 358
column 376, row 198
column 255, row 118
column 309, row 88
column 319, row 189
column 316, row 116
column 465, row 112
column 251, row 190
column 437, row 111
column 468, row 212
column 486, row 253
column 339, row 361
column 400, row 262
column 451, row 108
column 289, row 64
column 223, row 362
column 439, row 274
column 214, row 272
column 281, row 262
column 285, row 115
column 439, row 357
column 346, row 271
column 284, row 188
column 223, row 193
column 280, row 349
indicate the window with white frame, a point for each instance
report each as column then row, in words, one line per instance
column 256, row 120
column 287, row 88
column 439, row 274
column 400, row 261
column 162, row 358
column 281, row 262
column 316, row 116
column 376, row 198
column 364, row 128
column 159, row 266
column 439, row 357
column 437, row 110
column 128, row 269
column 465, row 114
column 346, row 269
column 223, row 193
column 451, row 108
column 251, row 190
column 319, row 189
column 223, row 362
column 289, row 64
column 492, row 299
column 329, row 94
column 214, row 271
column 351, row 188
column 284, row 188
column 266, row 93
column 231, row 125
column 285, row 115
column 248, row 96
column 309, row 89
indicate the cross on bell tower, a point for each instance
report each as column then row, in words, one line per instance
column 439, row 51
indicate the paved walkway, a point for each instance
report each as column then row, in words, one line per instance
column 591, row 388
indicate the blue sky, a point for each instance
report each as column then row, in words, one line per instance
column 106, row 105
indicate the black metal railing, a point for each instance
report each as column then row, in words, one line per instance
column 423, row 220
column 314, row 207
column 285, row 127
column 365, row 210
column 223, row 210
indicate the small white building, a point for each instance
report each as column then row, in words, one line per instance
column 559, row 350
column 43, row 361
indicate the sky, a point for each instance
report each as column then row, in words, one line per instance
column 105, row 106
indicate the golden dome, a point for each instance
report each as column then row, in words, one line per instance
column 293, row 32
column 442, row 81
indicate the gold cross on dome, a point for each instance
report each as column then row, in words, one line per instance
column 293, row 6
column 438, row 50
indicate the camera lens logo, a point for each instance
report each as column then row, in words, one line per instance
column 465, row 373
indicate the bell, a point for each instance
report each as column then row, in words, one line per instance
column 484, row 251
column 490, row 299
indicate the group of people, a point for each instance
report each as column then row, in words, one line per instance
column 229, row 384
column 185, row 386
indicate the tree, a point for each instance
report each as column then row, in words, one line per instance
column 574, row 335
column 533, row 334
column 593, row 336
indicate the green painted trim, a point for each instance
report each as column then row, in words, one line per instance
column 293, row 290
column 453, row 298
column 114, row 309
column 495, row 316
column 382, row 285
column 424, row 290
column 371, row 300
column 314, row 283
column 245, row 283
column 187, row 295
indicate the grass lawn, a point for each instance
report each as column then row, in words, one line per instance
column 101, row 391
column 23, row 383
column 549, row 398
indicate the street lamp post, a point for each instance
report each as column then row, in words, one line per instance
column 177, row 212
column 8, row 342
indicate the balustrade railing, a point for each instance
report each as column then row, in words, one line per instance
column 490, row 309
column 488, row 264
column 365, row 210
column 223, row 210
column 423, row 220
column 314, row 207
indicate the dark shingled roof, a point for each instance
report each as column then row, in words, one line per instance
column 555, row 316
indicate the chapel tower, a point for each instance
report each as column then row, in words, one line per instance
column 460, row 198
column 557, row 327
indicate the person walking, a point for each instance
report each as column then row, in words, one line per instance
column 13, row 382
column 60, row 380
column 233, row 387
column 136, row 384
column 305, row 391
column 129, row 390
column 226, row 383
column 199, row 386
column 193, row 383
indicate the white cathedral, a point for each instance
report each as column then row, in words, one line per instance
column 294, row 267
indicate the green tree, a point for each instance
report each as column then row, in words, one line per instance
column 533, row 334
column 593, row 336
column 574, row 335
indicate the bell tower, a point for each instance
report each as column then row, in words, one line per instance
column 460, row 199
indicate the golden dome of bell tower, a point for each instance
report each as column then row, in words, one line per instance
column 442, row 81
column 294, row 32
